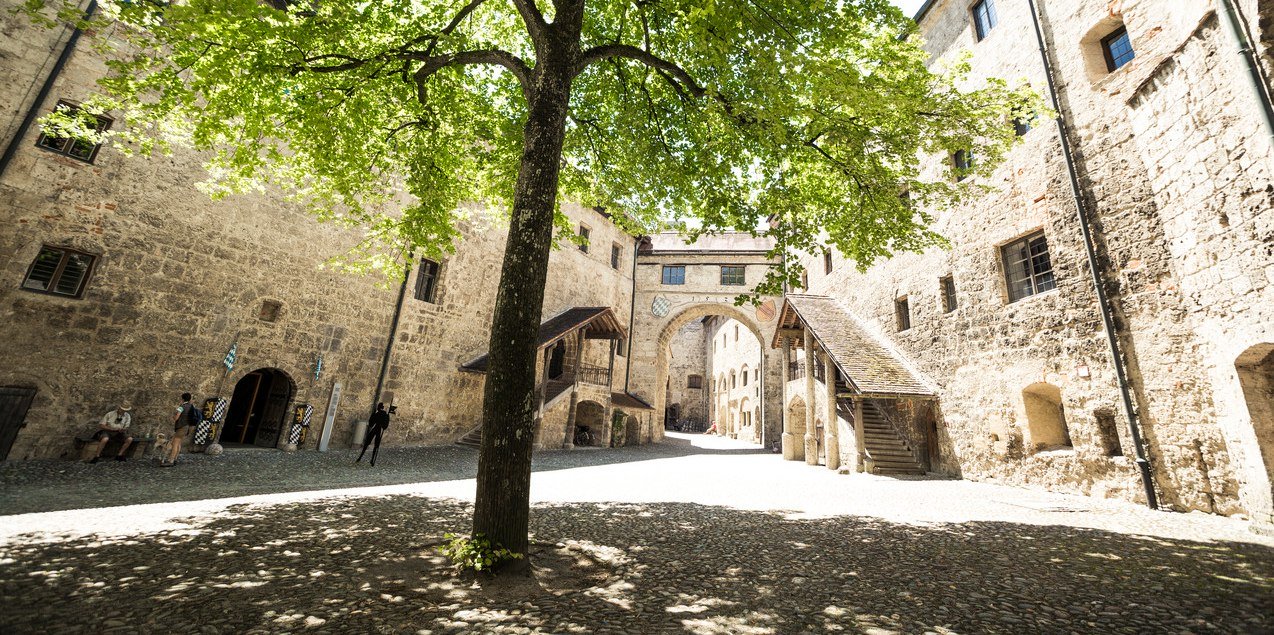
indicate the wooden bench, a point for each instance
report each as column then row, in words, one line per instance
column 86, row 447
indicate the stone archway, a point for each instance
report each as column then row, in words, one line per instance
column 590, row 424
column 258, row 410
column 1255, row 368
column 651, row 358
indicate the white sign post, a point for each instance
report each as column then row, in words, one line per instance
column 331, row 417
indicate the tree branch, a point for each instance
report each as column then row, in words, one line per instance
column 435, row 63
column 535, row 24
column 607, row 51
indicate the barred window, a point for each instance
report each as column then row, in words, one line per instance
column 902, row 313
column 1117, row 48
column 584, row 233
column 963, row 161
column 674, row 274
column 1027, row 267
column 615, row 252
column 82, row 150
column 947, row 287
column 59, row 271
column 427, row 281
column 732, row 274
column 984, row 18
column 694, row 381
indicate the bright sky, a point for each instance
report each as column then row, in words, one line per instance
column 908, row 7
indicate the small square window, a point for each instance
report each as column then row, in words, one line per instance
column 984, row 18
column 902, row 313
column 947, row 286
column 427, row 281
column 81, row 150
column 1117, row 48
column 59, row 271
column 733, row 274
column 1028, row 269
column 584, row 233
column 694, row 381
column 270, row 310
column 616, row 252
column 674, row 274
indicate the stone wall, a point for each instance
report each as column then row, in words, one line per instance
column 1177, row 177
column 689, row 358
column 736, row 359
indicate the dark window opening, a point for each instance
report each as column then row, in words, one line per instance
column 902, row 313
column 984, row 18
column 827, row 261
column 1022, row 125
column 805, row 281
column 947, row 284
column 584, row 234
column 674, row 274
column 963, row 161
column 1117, row 48
column 1109, row 432
column 427, row 281
column 557, row 360
column 732, row 274
column 59, row 272
column 694, row 381
column 82, row 150
column 270, row 310
column 1027, row 267
column 745, row 377
column 615, row 252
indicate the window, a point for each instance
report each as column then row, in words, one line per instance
column 827, row 261
column 1021, row 125
column 902, row 313
column 1108, row 432
column 694, row 381
column 946, row 285
column 427, row 281
column 1027, row 268
column 1117, row 49
column 733, row 379
column 674, row 274
column 615, row 252
column 59, row 272
column 270, row 310
column 805, row 281
column 82, row 150
column 732, row 274
column 736, row 332
column 584, row 233
column 963, row 161
column 745, row 377
column 984, row 18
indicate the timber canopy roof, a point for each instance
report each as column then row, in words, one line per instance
column 598, row 322
column 870, row 367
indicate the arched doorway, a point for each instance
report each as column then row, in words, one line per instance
column 1256, row 377
column 259, row 409
column 590, row 424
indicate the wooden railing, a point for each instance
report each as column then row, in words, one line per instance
column 596, row 375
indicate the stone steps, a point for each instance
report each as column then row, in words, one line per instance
column 890, row 455
column 556, row 388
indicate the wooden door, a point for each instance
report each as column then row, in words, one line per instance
column 14, row 402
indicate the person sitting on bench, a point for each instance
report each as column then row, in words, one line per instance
column 114, row 425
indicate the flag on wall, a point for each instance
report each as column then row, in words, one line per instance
column 230, row 356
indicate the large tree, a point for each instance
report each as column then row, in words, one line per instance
column 389, row 114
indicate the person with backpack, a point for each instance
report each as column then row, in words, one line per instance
column 188, row 417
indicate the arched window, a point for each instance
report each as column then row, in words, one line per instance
column 1045, row 417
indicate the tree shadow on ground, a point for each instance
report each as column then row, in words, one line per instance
column 53, row 485
column 365, row 565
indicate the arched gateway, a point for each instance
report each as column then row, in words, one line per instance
column 678, row 283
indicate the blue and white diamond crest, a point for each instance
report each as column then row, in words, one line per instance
column 660, row 306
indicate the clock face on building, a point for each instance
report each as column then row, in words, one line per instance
column 660, row 306
column 765, row 312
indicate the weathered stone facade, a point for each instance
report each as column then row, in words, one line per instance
column 736, row 388
column 688, row 377
column 1175, row 167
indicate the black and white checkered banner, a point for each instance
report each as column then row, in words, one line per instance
column 300, row 423
column 214, row 409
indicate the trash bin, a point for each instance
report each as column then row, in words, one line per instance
column 360, row 431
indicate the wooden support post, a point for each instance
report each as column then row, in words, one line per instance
column 832, row 442
column 790, row 442
column 811, row 442
column 569, row 441
column 860, row 465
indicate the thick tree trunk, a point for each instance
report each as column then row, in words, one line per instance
column 502, row 509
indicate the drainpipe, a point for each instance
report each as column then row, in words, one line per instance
column 1240, row 37
column 38, row 102
column 632, row 312
column 393, row 333
column 1103, row 303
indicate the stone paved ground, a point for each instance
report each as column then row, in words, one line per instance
column 714, row 537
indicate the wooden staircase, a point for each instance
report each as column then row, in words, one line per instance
column 556, row 388
column 889, row 453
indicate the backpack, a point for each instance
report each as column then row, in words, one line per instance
column 194, row 416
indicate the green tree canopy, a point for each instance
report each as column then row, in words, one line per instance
column 389, row 114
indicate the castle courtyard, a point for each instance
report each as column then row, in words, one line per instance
column 696, row 534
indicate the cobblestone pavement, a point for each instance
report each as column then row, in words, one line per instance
column 696, row 535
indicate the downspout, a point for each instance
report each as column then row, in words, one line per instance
column 393, row 333
column 1247, row 50
column 632, row 312
column 38, row 102
column 1103, row 303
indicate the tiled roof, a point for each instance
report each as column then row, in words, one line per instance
column 715, row 243
column 600, row 320
column 628, row 400
column 870, row 365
